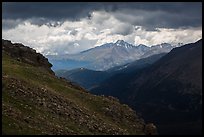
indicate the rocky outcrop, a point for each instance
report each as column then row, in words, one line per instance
column 25, row 54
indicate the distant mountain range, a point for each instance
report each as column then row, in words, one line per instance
column 168, row 92
column 107, row 56
column 88, row 79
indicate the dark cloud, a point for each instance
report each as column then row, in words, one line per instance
column 167, row 14
column 39, row 21
column 7, row 24
column 51, row 10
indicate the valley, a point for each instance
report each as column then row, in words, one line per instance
column 102, row 68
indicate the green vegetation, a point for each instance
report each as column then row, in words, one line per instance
column 37, row 102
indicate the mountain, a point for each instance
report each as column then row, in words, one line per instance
column 168, row 93
column 35, row 101
column 106, row 56
column 89, row 79
column 84, row 77
column 160, row 48
column 136, row 65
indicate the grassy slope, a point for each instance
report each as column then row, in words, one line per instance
column 36, row 102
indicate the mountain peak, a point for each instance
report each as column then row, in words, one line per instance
column 120, row 42
column 123, row 44
column 141, row 45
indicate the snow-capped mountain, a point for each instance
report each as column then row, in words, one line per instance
column 111, row 54
column 159, row 48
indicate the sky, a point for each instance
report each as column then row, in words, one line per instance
column 71, row 27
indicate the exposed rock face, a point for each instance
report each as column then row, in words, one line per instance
column 25, row 54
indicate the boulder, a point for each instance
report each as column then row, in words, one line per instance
column 150, row 129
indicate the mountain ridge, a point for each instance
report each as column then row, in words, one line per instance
column 169, row 92
column 89, row 79
column 110, row 55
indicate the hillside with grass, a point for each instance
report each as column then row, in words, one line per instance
column 35, row 101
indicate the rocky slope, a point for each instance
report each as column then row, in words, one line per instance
column 35, row 101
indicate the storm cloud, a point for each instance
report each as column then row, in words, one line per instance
column 152, row 14
column 70, row 27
